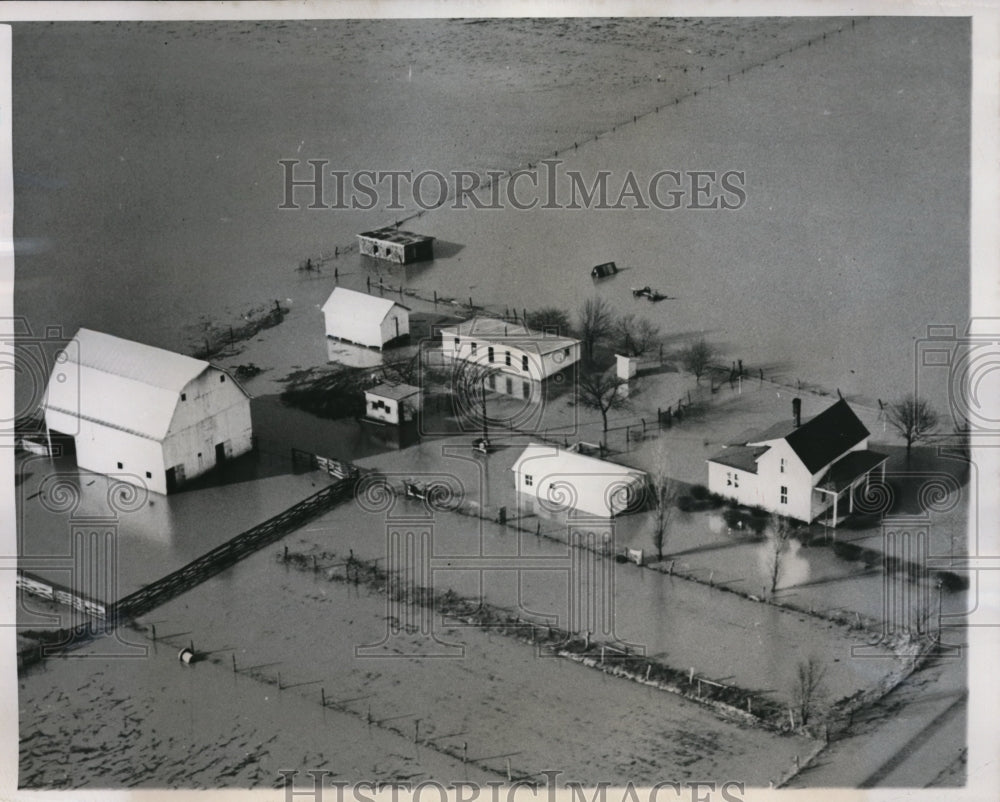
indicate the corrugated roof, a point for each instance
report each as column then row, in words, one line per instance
column 397, row 392
column 124, row 384
column 515, row 334
column 824, row 438
column 396, row 235
column 351, row 305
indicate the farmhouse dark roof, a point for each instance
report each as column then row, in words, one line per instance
column 822, row 439
column 848, row 468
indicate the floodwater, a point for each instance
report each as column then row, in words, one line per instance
column 855, row 151
column 494, row 694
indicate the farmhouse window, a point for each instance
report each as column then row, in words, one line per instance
column 729, row 479
column 222, row 378
column 184, row 396
column 782, row 466
column 529, row 480
column 458, row 344
column 524, row 362
column 473, row 347
column 489, row 353
column 506, row 358
column 784, row 495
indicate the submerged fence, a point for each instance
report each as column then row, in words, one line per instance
column 232, row 551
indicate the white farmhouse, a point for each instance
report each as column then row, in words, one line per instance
column 561, row 479
column 392, row 403
column 799, row 470
column 511, row 348
column 151, row 417
column 363, row 319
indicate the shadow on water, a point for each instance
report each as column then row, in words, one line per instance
column 443, row 249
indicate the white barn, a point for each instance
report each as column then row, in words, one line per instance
column 511, row 348
column 799, row 470
column 560, row 479
column 363, row 319
column 151, row 417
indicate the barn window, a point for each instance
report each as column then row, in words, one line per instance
column 149, row 475
column 489, row 353
column 729, row 479
column 458, row 343
column 526, row 389
column 506, row 358
column 524, row 362
column 473, row 347
column 120, row 466
column 184, row 396
column 736, row 479
column 529, row 480
column 784, row 495
column 781, row 468
column 222, row 378
column 565, row 352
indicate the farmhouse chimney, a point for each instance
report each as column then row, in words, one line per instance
column 797, row 412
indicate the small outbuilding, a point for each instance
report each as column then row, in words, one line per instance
column 392, row 245
column 562, row 479
column 393, row 403
column 363, row 319
column 150, row 417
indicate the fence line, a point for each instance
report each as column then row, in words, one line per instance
column 232, row 551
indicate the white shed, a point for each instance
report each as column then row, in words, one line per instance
column 149, row 416
column 363, row 319
column 392, row 403
column 560, row 479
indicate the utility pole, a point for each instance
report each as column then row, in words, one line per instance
column 486, row 434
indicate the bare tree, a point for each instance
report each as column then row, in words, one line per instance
column 777, row 547
column 636, row 335
column 405, row 370
column 601, row 391
column 696, row 357
column 913, row 418
column 467, row 382
column 595, row 324
column 808, row 687
column 549, row 318
column 665, row 494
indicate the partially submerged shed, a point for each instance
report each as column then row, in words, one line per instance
column 392, row 245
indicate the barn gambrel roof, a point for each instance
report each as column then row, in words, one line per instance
column 120, row 383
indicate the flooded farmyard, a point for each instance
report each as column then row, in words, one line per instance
column 373, row 585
